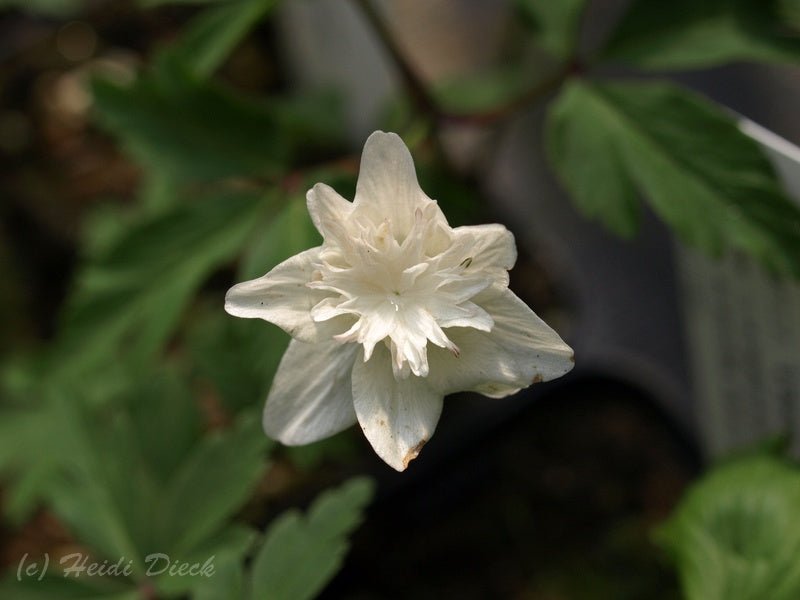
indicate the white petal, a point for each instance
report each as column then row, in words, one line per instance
column 521, row 349
column 283, row 298
column 398, row 417
column 387, row 185
column 465, row 287
column 491, row 249
column 467, row 314
column 311, row 396
column 329, row 212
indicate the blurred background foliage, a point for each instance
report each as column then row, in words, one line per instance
column 131, row 402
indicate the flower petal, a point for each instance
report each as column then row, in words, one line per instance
column 311, row 396
column 397, row 416
column 521, row 349
column 387, row 185
column 330, row 213
column 491, row 250
column 283, row 298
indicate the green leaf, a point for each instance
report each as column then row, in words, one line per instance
column 211, row 485
column 686, row 34
column 154, row 3
column 242, row 378
column 789, row 10
column 340, row 448
column 483, row 91
column 227, row 582
column 52, row 8
column 136, row 291
column 33, row 445
column 103, row 491
column 706, row 179
column 200, row 131
column 214, row 559
column 166, row 422
column 460, row 199
column 55, row 586
column 209, row 38
column 556, row 23
column 736, row 534
column 287, row 233
column 301, row 553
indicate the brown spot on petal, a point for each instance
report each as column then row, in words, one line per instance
column 413, row 453
column 537, row 378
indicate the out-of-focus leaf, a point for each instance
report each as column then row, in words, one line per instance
column 166, row 421
column 736, row 534
column 340, row 448
column 102, row 227
column 56, row 585
column 209, row 38
column 789, row 11
column 153, row 3
column 706, row 179
column 103, row 490
column 211, row 485
column 103, row 466
column 556, row 23
column 137, row 290
column 32, row 448
column 287, row 233
column 301, row 553
column 686, row 34
column 460, row 199
column 199, row 131
column 227, row 582
column 37, row 442
column 212, row 558
column 52, row 8
column 241, row 378
column 482, row 91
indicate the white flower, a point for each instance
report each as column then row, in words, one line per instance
column 392, row 312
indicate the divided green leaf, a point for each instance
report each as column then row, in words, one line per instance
column 213, row 482
column 687, row 34
column 209, row 38
column 736, row 534
column 301, row 553
column 241, row 378
column 708, row 181
column 200, row 131
column 136, row 291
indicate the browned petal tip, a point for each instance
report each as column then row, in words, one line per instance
column 413, row 453
column 537, row 378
